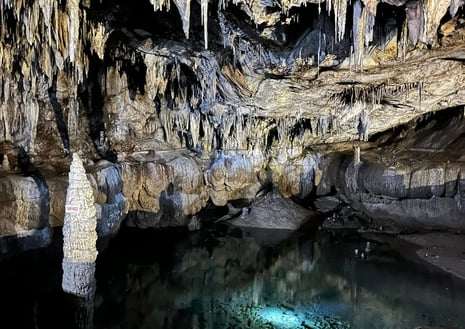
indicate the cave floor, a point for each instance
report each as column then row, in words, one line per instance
column 438, row 251
column 441, row 249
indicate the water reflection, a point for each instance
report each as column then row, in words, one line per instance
column 79, row 284
column 235, row 280
column 83, row 311
column 214, row 281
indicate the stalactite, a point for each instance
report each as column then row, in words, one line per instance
column 160, row 4
column 454, row 6
column 370, row 23
column 204, row 21
column 194, row 127
column 98, row 36
column 72, row 8
column 322, row 126
column 165, row 123
column 434, row 11
column 358, row 33
column 340, row 16
column 207, row 135
column 37, row 40
column 415, row 21
column 420, row 93
column 403, row 42
column 364, row 126
column 184, row 8
column 371, row 6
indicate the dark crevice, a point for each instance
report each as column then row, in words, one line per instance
column 62, row 128
column 91, row 96
column 140, row 16
column 135, row 74
column 388, row 22
column 272, row 136
column 439, row 118
column 300, row 127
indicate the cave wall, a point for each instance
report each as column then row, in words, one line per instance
column 238, row 93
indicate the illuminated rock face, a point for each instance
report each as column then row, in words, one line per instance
column 79, row 233
column 260, row 82
column 181, row 85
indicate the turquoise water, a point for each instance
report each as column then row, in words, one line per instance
column 234, row 279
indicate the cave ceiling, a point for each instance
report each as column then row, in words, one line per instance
column 226, row 74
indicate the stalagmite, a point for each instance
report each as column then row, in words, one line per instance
column 356, row 154
column 5, row 163
column 79, row 233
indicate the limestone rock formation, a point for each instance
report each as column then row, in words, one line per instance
column 79, row 233
column 240, row 93
column 33, row 205
column 231, row 177
column 274, row 212
column 107, row 185
column 414, row 183
column 24, row 213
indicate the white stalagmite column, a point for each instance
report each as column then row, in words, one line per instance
column 79, row 233
column 356, row 154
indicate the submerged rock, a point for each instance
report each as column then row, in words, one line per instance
column 327, row 204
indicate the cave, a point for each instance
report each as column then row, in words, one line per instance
column 233, row 164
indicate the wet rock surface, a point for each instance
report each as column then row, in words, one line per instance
column 414, row 183
column 30, row 223
column 214, row 102
column 327, row 204
column 274, row 211
column 443, row 250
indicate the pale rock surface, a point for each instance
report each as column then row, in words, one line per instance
column 231, row 177
column 164, row 192
column 295, row 177
column 79, row 233
column 79, row 228
column 20, row 205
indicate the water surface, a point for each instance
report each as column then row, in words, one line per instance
column 234, row 279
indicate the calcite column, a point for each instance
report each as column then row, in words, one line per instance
column 79, row 233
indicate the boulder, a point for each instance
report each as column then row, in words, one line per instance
column 274, row 212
